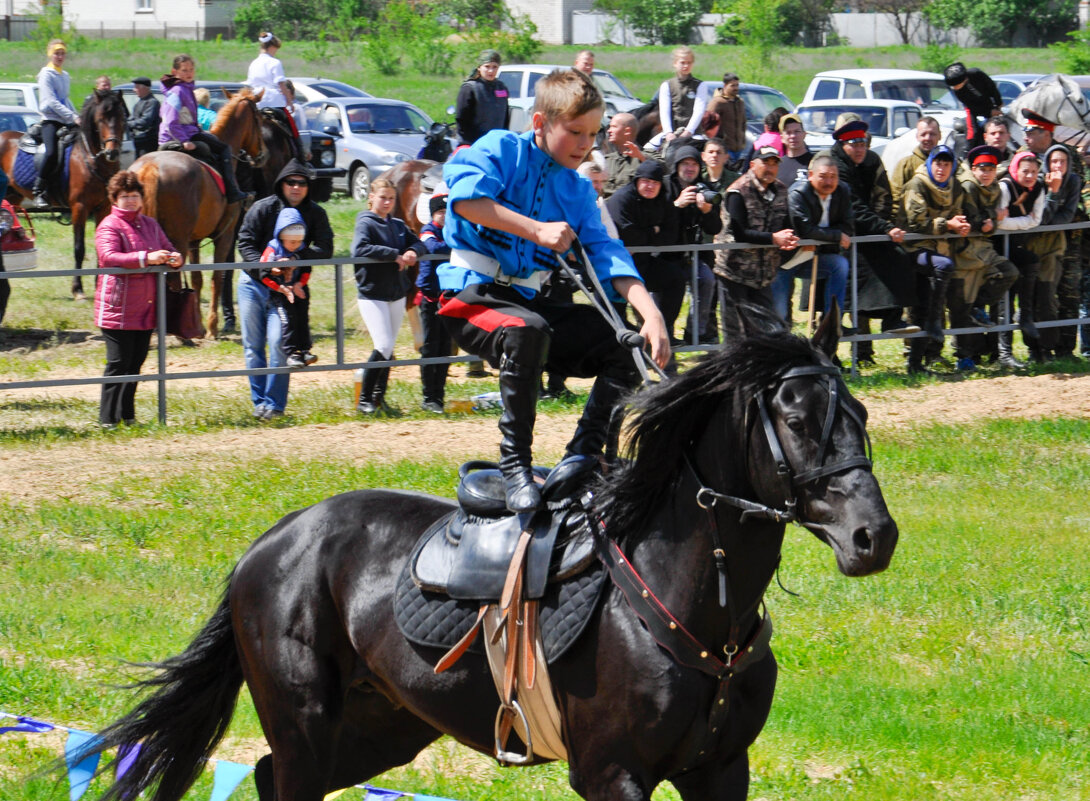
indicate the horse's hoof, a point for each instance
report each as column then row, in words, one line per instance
column 78, row 296
column 187, row 343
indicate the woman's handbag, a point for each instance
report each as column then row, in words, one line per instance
column 184, row 312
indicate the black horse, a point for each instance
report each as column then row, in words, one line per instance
column 761, row 433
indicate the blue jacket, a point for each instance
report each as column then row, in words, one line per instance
column 512, row 170
column 427, row 281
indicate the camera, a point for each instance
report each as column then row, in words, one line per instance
column 710, row 195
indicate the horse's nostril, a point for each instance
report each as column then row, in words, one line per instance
column 862, row 539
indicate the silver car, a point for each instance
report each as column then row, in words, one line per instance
column 307, row 90
column 370, row 136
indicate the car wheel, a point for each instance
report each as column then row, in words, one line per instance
column 360, row 183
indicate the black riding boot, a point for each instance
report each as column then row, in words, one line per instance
column 936, row 303
column 593, row 429
column 1027, row 295
column 518, row 391
column 379, row 396
column 1006, row 356
column 367, row 403
column 227, row 169
column 917, row 347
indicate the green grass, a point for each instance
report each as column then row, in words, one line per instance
column 959, row 673
column 641, row 69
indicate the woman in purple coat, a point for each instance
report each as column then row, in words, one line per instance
column 125, row 304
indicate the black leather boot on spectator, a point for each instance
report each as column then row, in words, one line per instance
column 366, row 403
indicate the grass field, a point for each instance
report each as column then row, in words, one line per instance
column 960, row 673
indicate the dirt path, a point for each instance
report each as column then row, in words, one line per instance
column 34, row 472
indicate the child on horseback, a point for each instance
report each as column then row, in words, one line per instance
column 57, row 112
column 178, row 127
column 515, row 202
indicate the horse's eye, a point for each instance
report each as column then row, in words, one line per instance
column 796, row 424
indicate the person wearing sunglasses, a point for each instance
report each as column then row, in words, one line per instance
column 261, row 323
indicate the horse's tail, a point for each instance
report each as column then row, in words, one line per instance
column 179, row 725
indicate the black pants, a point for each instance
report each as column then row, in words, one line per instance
column 5, row 293
column 433, row 377
column 732, row 295
column 294, row 321
column 666, row 281
column 493, row 321
column 50, row 129
column 125, row 354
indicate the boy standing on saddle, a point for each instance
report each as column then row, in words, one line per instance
column 515, row 202
column 178, row 123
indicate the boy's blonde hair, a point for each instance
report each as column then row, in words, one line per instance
column 202, row 96
column 566, row 94
column 684, row 50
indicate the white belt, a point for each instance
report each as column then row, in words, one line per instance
column 486, row 265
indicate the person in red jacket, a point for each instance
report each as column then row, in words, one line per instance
column 125, row 304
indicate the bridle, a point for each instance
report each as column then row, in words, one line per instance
column 708, row 498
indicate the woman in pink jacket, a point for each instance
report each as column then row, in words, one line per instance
column 125, row 304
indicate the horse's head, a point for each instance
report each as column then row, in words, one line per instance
column 808, row 453
column 103, row 125
column 239, row 122
column 1057, row 98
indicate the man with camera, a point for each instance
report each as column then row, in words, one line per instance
column 698, row 212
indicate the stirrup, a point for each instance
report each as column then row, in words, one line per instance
column 511, row 757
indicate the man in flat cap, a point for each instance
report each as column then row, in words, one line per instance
column 144, row 121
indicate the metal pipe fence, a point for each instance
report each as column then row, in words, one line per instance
column 162, row 377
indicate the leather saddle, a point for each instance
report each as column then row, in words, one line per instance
column 467, row 554
column 31, row 142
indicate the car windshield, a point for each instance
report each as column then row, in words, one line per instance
column 759, row 102
column 386, row 119
column 822, row 119
column 610, row 85
column 924, row 92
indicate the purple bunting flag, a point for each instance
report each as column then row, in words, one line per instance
column 29, row 725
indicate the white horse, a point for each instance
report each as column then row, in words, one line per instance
column 1055, row 97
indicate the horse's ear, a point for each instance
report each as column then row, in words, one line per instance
column 259, row 95
column 827, row 336
column 228, row 93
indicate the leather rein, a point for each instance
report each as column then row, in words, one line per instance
column 741, row 648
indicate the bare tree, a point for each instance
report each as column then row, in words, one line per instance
column 905, row 15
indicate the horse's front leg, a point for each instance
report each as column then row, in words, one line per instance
column 79, row 247
column 721, row 781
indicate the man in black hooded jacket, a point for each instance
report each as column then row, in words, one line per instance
column 269, row 393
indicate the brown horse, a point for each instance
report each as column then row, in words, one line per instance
column 406, row 180
column 93, row 161
column 184, row 197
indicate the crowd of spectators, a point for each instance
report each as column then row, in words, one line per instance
column 683, row 188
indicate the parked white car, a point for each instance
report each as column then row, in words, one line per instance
column 886, row 120
column 520, row 79
column 19, row 93
column 926, row 89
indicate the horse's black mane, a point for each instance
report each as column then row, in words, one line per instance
column 663, row 423
column 111, row 105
